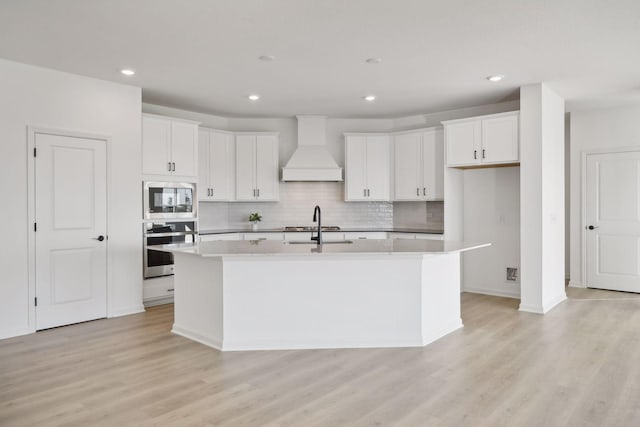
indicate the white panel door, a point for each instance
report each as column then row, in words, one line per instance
column 355, row 168
column 222, row 166
column 408, row 168
column 613, row 221
column 267, row 167
column 71, row 213
column 377, row 166
column 156, row 146
column 184, row 148
column 463, row 143
column 433, row 165
column 500, row 139
column 204, row 178
column 245, row 167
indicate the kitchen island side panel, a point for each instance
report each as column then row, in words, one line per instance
column 198, row 299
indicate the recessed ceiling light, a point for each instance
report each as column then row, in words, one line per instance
column 127, row 72
column 496, row 78
column 369, row 98
column 373, row 60
column 254, row 97
column 266, row 58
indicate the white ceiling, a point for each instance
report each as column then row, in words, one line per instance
column 201, row 55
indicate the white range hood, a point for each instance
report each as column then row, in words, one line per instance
column 311, row 161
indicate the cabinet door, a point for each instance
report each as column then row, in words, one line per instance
column 433, row 165
column 204, row 184
column 267, row 167
column 407, row 167
column 463, row 143
column 377, row 167
column 156, row 146
column 184, row 148
column 245, row 167
column 500, row 139
column 222, row 166
column 355, row 168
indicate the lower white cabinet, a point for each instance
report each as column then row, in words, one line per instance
column 355, row 235
column 157, row 290
column 264, row 236
column 224, row 236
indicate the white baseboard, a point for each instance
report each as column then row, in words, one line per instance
column 158, row 301
column 15, row 333
column 545, row 307
column 202, row 339
column 493, row 292
column 127, row 311
column 574, row 284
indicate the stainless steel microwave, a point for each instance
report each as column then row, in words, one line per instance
column 169, row 200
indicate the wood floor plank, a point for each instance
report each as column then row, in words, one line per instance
column 577, row 365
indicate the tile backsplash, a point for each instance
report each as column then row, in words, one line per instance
column 428, row 215
column 297, row 200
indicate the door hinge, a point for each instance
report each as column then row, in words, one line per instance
column 34, row 151
column 35, row 226
column 35, row 301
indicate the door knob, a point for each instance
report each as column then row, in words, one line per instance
column 591, row 227
column 99, row 238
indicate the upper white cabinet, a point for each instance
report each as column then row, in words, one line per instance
column 257, row 167
column 216, row 169
column 169, row 146
column 483, row 141
column 367, row 167
column 419, row 165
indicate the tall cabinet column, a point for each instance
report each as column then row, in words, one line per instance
column 541, row 198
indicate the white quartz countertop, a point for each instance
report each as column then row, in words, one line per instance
column 359, row 246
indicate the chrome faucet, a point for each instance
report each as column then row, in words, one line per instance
column 316, row 217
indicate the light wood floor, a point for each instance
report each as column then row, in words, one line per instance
column 578, row 365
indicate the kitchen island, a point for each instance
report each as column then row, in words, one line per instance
column 260, row 295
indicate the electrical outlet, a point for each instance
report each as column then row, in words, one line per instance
column 512, row 274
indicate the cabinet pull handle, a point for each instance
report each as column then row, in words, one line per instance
column 475, row 154
column 364, row 192
column 368, row 193
column 258, row 190
column 483, row 152
column 169, row 166
column 417, row 191
column 170, row 290
column 424, row 191
column 174, row 167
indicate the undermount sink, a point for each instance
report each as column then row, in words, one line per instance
column 308, row 242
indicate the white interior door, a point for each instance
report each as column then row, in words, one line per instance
column 71, row 213
column 613, row 221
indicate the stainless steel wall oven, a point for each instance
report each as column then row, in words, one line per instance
column 162, row 233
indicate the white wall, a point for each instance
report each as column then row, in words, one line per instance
column 595, row 130
column 492, row 214
column 52, row 99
